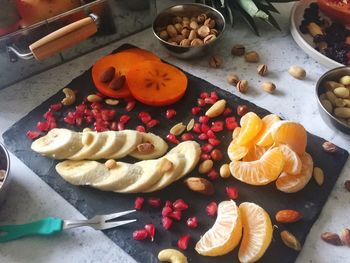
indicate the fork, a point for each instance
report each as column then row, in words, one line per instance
column 52, row 225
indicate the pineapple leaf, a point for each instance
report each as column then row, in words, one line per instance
column 266, row 5
column 282, row 1
column 247, row 17
column 250, row 7
column 272, row 21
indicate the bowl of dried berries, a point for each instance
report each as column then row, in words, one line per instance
column 189, row 30
column 4, row 171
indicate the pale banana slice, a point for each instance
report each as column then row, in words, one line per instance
column 132, row 139
column 150, row 173
column 82, row 172
column 160, row 147
column 58, row 143
column 121, row 176
column 179, row 163
column 192, row 151
column 92, row 142
column 113, row 142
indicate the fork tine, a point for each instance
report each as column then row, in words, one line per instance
column 109, row 225
column 115, row 215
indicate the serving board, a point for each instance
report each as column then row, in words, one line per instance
column 90, row 201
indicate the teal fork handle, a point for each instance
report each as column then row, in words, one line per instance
column 44, row 227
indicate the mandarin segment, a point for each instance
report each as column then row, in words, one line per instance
column 251, row 125
column 255, row 153
column 293, row 163
column 235, row 151
column 264, row 137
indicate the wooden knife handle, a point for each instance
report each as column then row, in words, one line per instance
column 64, row 37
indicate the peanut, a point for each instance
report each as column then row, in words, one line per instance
column 205, row 166
column 225, row 171
column 216, row 109
column 110, row 164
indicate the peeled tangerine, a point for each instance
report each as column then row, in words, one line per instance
column 225, row 234
column 264, row 137
column 251, row 125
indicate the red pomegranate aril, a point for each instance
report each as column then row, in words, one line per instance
column 167, row 222
column 205, row 156
column 211, row 134
column 204, row 127
column 206, row 148
column 197, row 128
column 69, row 120
column 143, row 114
column 146, row 119
column 130, row 105
column 140, row 128
column 96, row 105
column 80, row 108
column 48, row 115
column 204, row 95
column 152, row 123
column 231, row 192
column 214, row 95
column 216, row 155
column 180, row 204
column 140, row 234
column 170, row 113
column 33, row 134
column 201, row 102
column 172, row 138
column 227, row 111
column 176, row 214
column 168, row 204
column 212, row 209
column 151, row 230
column 121, row 126
column 52, row 125
column 186, row 136
column 214, row 142
column 166, row 211
column 56, row 107
column 242, row 110
column 195, row 110
column 114, row 126
column 182, row 243
column 203, row 119
column 192, row 222
column 213, row 175
column 139, row 202
column 210, row 100
column 231, row 123
column 217, row 126
column 43, row 126
column 124, row 118
column 107, row 115
column 154, row 202
column 78, row 121
column 203, row 136
column 89, row 119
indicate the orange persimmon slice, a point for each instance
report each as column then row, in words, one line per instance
column 121, row 61
column 156, row 83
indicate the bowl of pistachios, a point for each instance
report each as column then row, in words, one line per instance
column 4, row 171
column 189, row 30
column 333, row 95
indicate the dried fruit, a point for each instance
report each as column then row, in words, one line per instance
column 192, row 222
column 331, row 238
column 200, row 185
column 232, row 192
column 329, row 147
column 242, row 86
column 212, row 209
column 154, row 202
column 262, row 69
column 140, row 234
column 287, row 216
column 290, row 240
column 345, row 237
column 238, row 50
column 182, row 243
column 151, row 230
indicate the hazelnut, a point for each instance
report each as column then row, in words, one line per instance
column 251, row 56
column 232, row 79
column 215, row 62
column 242, row 86
column 268, row 87
column 194, row 25
column 262, row 69
column 209, row 39
column 238, row 50
column 201, row 18
column 203, row 31
column 196, row 42
column 164, row 35
column 178, row 27
column 213, row 31
column 171, row 30
column 185, row 32
column 177, row 19
column 209, row 22
column 185, row 42
column 192, row 35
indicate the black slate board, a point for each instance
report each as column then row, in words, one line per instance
column 91, row 202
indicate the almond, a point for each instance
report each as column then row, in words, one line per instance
column 200, row 185
column 290, row 240
column 190, row 125
column 318, row 175
column 287, row 216
column 216, row 109
column 331, row 238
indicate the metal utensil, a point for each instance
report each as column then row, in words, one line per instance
column 51, row 225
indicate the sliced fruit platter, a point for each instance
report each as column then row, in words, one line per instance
column 214, row 178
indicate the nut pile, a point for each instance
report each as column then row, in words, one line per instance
column 336, row 98
column 189, row 31
column 2, row 176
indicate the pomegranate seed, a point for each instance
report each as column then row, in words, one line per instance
column 192, row 222
column 168, row 204
column 154, row 202
column 180, row 204
column 214, row 142
column 186, row 136
column 114, row 126
column 56, row 107
column 140, row 128
column 80, row 108
column 203, row 119
column 151, row 230
column 203, row 136
column 33, row 134
column 204, row 127
column 96, row 105
column 211, row 134
column 152, row 123
column 206, row 148
column 49, row 115
column 182, row 243
column 217, row 126
column 201, row 102
column 166, row 211
column 197, row 128
column 143, row 114
column 213, row 175
column 172, row 138
column 107, row 115
column 43, row 126
column 204, row 95
column 120, row 126
column 69, row 120
column 212, row 209
column 124, row 118
column 214, row 95
column 146, row 119
column 242, row 110
column 78, row 121
column 139, row 202
column 170, row 113
column 227, row 111
column 130, row 105
column 176, row 215
column 210, row 100
column 205, row 156
column 89, row 119
column 140, row 234
column 52, row 125
column 195, row 110
column 231, row 123
column 167, row 222
column 231, row 192
column 216, row 155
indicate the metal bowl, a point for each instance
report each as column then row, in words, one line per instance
column 165, row 18
column 331, row 120
column 4, row 165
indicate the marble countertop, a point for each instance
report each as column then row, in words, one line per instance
column 30, row 198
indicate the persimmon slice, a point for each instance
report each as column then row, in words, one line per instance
column 155, row 83
column 122, row 62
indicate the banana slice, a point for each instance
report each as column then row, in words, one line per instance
column 58, row 143
column 192, row 151
column 113, row 141
column 150, row 173
column 132, row 139
column 159, row 147
column 82, row 172
column 92, row 142
column 121, row 176
column 179, row 162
